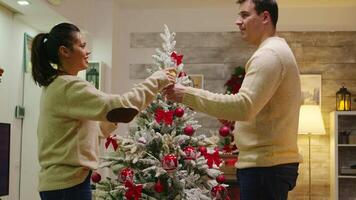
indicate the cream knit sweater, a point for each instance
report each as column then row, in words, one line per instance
column 68, row 127
column 266, row 108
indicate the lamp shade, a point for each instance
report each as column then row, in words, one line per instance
column 310, row 120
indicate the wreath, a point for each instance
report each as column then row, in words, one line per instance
column 233, row 85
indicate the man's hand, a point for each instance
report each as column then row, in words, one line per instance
column 174, row 92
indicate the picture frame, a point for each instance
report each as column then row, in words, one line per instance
column 197, row 80
column 311, row 89
column 27, row 53
column 88, row 76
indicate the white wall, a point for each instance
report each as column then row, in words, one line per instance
column 324, row 18
column 95, row 19
column 11, row 88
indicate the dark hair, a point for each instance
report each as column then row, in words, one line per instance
column 265, row 5
column 44, row 51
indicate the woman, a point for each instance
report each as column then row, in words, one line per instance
column 71, row 109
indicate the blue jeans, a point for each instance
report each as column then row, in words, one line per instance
column 81, row 191
column 267, row 183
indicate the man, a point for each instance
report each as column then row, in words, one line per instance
column 266, row 108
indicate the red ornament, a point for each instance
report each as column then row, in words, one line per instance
column 203, row 150
column 164, row 116
column 224, row 131
column 190, row 153
column 220, row 179
column 170, row 162
column 219, row 192
column 95, row 177
column 181, row 74
column 179, row 112
column 189, row 130
column 177, row 58
column 159, row 187
column 126, row 174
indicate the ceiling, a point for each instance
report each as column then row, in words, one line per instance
column 158, row 4
column 41, row 15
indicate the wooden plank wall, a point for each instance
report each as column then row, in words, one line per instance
column 215, row 54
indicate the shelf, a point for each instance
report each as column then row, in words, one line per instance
column 342, row 154
column 347, row 145
column 345, row 112
column 347, row 176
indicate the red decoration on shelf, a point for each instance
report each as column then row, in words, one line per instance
column 177, row 58
column 96, row 177
column 231, row 162
column 190, row 153
column 170, row 162
column 203, row 150
column 219, row 192
column 179, row 112
column 213, row 158
column 227, row 148
column 126, row 175
column 133, row 192
column 189, row 130
column 220, row 179
column 165, row 116
column 224, row 131
column 158, row 187
column 181, row 74
column 111, row 140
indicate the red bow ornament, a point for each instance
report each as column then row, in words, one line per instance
column 111, row 140
column 133, row 192
column 177, row 58
column 165, row 116
column 213, row 158
column 1, row 71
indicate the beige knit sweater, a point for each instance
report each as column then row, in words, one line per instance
column 266, row 108
column 68, row 127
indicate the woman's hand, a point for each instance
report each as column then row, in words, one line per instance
column 171, row 73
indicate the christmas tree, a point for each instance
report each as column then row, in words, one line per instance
column 226, row 143
column 161, row 158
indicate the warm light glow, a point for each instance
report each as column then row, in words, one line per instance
column 344, row 105
column 23, row 3
column 310, row 120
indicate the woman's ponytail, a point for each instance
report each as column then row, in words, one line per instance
column 42, row 71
